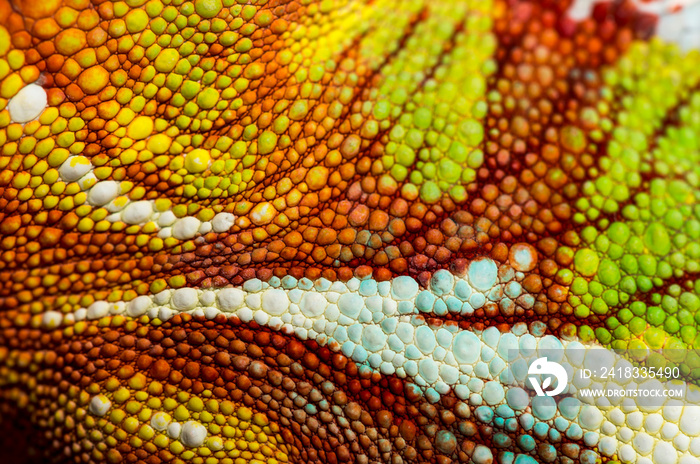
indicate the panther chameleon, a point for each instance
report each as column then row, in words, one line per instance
column 271, row 231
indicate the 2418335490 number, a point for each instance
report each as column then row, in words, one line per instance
column 640, row 372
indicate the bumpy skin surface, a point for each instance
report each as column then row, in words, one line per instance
column 277, row 231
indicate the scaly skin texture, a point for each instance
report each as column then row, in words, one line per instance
column 222, row 229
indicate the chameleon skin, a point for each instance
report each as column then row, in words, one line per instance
column 492, row 168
